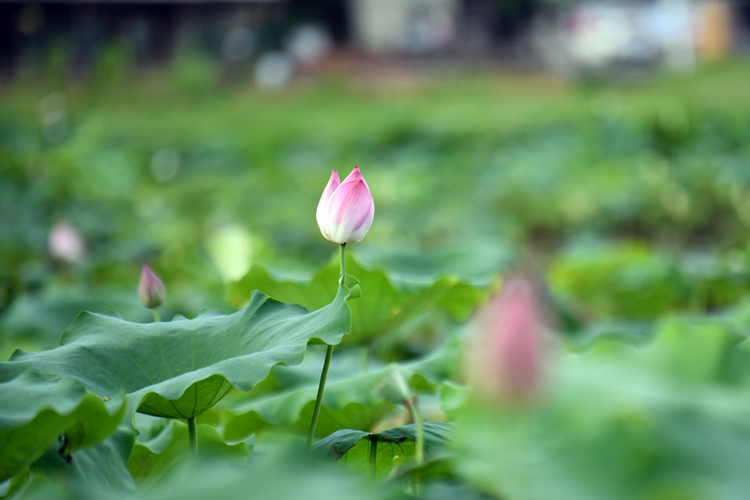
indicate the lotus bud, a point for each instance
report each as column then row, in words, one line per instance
column 150, row 289
column 393, row 387
column 346, row 209
column 508, row 358
column 66, row 243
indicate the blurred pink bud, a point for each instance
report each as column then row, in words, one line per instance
column 509, row 357
column 345, row 210
column 66, row 243
column 150, row 289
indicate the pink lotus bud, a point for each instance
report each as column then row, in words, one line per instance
column 345, row 210
column 508, row 359
column 150, row 289
column 66, row 243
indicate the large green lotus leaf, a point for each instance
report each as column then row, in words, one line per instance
column 394, row 446
column 693, row 350
column 103, row 466
column 347, row 402
column 385, row 304
column 474, row 267
column 689, row 348
column 160, row 450
column 477, row 264
column 179, row 369
column 435, row 471
column 35, row 412
column 344, row 363
column 351, row 415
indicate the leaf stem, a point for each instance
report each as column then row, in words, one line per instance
column 193, row 433
column 364, row 355
column 419, row 452
column 319, row 399
column 156, row 315
column 373, row 456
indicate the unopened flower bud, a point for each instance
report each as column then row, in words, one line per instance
column 66, row 243
column 346, row 209
column 508, row 358
column 150, row 289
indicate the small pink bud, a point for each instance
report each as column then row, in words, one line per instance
column 150, row 289
column 508, row 358
column 346, row 209
column 66, row 243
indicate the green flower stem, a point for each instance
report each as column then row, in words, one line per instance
column 327, row 363
column 342, row 262
column 193, row 433
column 156, row 315
column 419, row 452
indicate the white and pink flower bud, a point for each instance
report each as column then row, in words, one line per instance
column 508, row 360
column 346, row 209
column 150, row 288
column 65, row 243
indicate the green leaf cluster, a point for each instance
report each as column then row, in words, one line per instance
column 387, row 303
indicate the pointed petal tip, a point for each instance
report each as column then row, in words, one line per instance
column 335, row 179
column 355, row 175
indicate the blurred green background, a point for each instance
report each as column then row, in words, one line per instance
column 635, row 197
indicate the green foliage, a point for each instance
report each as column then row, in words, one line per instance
column 611, row 193
column 162, row 445
column 384, row 305
column 348, row 401
column 641, row 282
column 453, row 399
column 41, row 317
column 394, row 447
column 181, row 368
column 36, row 412
column 392, row 387
column 101, row 467
column 219, row 479
column 660, row 421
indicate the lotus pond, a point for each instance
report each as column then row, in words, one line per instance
column 623, row 210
